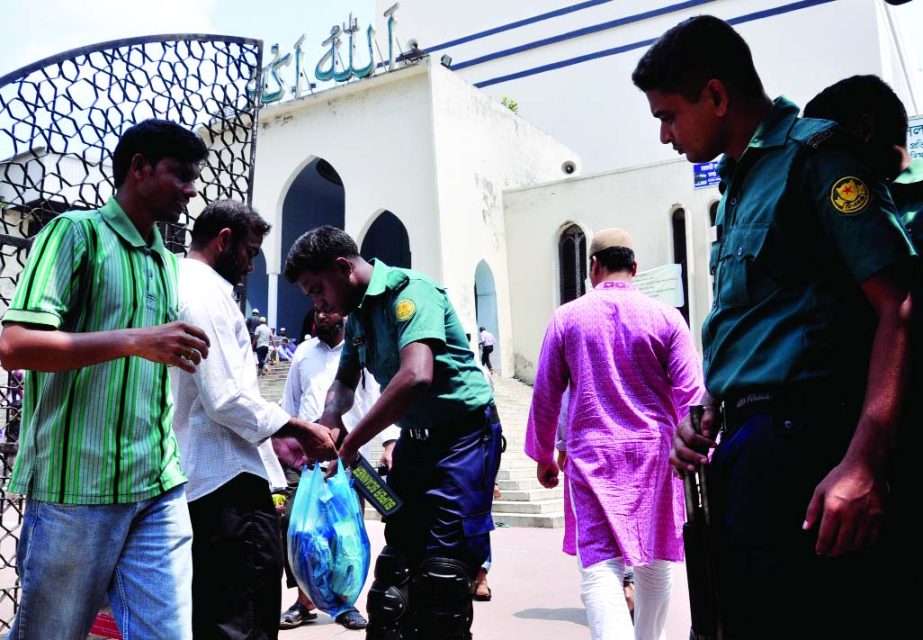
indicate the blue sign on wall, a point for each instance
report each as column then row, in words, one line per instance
column 705, row 174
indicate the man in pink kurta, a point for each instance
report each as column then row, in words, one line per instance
column 633, row 372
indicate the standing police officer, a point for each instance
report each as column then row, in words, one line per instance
column 404, row 330
column 805, row 347
column 867, row 108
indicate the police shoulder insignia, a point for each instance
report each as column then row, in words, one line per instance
column 821, row 136
column 849, row 195
column 404, row 310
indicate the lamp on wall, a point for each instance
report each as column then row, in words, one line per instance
column 413, row 53
column 446, row 60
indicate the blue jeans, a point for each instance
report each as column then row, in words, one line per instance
column 70, row 556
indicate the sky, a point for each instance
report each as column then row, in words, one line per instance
column 34, row 29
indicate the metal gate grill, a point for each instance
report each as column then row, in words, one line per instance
column 60, row 119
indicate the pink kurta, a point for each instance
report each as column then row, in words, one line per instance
column 633, row 372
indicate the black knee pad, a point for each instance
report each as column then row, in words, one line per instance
column 441, row 592
column 387, row 603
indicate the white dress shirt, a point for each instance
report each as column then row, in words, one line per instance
column 222, row 422
column 314, row 367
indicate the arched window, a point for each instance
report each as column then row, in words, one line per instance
column 388, row 241
column 572, row 263
column 315, row 197
column 713, row 213
column 679, row 255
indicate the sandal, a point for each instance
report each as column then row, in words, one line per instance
column 352, row 619
column 481, row 581
column 482, row 597
column 295, row 616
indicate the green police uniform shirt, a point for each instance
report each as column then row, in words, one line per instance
column 802, row 223
column 907, row 191
column 402, row 306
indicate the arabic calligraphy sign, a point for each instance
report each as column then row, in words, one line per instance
column 331, row 66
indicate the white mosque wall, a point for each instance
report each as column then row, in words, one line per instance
column 483, row 149
column 593, row 107
column 427, row 146
column 640, row 200
column 377, row 135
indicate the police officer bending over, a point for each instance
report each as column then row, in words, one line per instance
column 404, row 330
column 805, row 349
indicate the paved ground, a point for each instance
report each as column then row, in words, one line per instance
column 535, row 593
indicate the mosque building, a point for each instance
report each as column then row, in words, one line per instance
column 488, row 147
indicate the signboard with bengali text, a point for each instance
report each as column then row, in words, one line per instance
column 664, row 283
column 915, row 137
column 705, row 174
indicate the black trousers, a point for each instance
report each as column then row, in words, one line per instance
column 772, row 584
column 447, row 484
column 485, row 357
column 292, row 477
column 236, row 562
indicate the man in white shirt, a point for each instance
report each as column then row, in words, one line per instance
column 264, row 340
column 314, row 368
column 224, row 427
column 488, row 341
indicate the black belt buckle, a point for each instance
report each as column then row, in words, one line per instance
column 754, row 401
column 735, row 411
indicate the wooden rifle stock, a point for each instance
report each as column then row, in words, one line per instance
column 701, row 569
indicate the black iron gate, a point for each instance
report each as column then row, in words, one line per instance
column 60, row 119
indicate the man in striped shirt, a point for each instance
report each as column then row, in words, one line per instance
column 93, row 322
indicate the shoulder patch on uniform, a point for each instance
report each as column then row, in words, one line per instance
column 849, row 195
column 404, row 309
column 820, row 137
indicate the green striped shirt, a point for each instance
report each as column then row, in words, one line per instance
column 101, row 434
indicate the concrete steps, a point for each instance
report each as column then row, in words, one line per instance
column 523, row 501
column 272, row 383
column 506, row 474
column 530, row 495
column 543, row 507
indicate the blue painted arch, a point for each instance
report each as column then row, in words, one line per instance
column 316, row 197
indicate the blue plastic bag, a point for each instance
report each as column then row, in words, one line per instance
column 328, row 547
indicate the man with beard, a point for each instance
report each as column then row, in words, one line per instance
column 224, row 428
column 314, row 368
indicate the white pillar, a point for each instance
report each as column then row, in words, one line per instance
column 272, row 295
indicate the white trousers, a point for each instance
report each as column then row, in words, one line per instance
column 607, row 611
